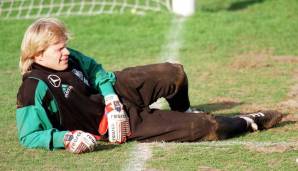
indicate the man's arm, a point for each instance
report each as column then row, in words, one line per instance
column 115, row 118
column 35, row 133
column 34, row 127
column 32, row 134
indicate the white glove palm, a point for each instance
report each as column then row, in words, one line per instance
column 118, row 121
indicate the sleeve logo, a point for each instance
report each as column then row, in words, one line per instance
column 54, row 80
column 81, row 76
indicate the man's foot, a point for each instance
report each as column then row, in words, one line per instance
column 262, row 120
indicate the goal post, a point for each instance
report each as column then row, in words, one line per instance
column 25, row 9
column 183, row 7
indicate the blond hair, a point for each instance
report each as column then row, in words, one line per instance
column 38, row 37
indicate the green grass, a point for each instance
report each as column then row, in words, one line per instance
column 233, row 49
column 196, row 157
column 216, row 39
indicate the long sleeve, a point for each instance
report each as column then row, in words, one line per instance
column 34, row 127
column 99, row 78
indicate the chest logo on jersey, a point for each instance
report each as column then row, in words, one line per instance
column 54, row 80
column 66, row 89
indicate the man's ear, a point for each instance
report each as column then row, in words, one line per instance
column 38, row 58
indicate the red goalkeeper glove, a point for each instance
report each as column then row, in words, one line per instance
column 79, row 142
column 115, row 120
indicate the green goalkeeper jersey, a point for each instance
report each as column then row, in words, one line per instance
column 50, row 103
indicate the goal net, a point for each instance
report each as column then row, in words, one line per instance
column 21, row 9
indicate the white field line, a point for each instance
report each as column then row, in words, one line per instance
column 170, row 53
column 138, row 157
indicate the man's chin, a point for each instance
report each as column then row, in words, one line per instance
column 64, row 67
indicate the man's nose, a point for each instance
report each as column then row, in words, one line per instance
column 66, row 51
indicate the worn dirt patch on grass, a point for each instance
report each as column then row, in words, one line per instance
column 264, row 58
column 291, row 102
column 290, row 117
column 290, row 105
column 225, row 100
column 276, row 148
column 291, row 120
column 206, row 168
column 252, row 60
column 249, row 108
column 286, row 59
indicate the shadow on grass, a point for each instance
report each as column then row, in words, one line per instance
column 234, row 6
column 106, row 146
column 212, row 107
column 243, row 4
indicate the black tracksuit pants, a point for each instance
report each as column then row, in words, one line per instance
column 139, row 87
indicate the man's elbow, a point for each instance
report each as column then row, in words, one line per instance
column 25, row 142
column 31, row 142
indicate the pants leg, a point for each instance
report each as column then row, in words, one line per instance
column 161, row 125
column 229, row 127
column 143, row 85
column 138, row 87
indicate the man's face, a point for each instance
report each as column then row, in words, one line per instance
column 54, row 57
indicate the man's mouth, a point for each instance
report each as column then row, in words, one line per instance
column 64, row 59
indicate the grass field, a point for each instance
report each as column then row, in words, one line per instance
column 240, row 56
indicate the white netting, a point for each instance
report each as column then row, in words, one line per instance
column 20, row 9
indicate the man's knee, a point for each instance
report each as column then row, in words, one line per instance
column 176, row 72
column 203, row 128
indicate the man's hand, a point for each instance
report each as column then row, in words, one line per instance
column 79, row 142
column 118, row 121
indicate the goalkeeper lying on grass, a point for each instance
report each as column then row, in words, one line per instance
column 67, row 100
